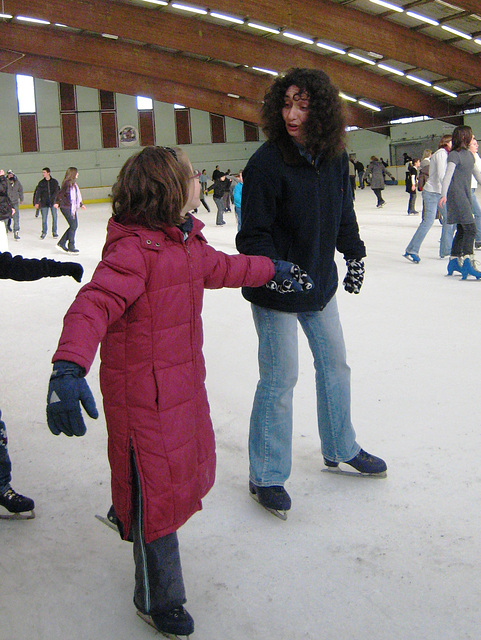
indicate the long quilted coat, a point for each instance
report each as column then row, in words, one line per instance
column 144, row 305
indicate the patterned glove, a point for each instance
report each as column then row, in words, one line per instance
column 289, row 278
column 355, row 276
column 67, row 388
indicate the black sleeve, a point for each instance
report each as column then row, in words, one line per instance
column 27, row 269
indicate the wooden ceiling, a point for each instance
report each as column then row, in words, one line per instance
column 204, row 62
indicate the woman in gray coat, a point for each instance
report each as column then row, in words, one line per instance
column 374, row 175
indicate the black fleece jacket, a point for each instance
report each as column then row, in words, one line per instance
column 293, row 211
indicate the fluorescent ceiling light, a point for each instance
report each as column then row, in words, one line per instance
column 262, row 27
column 35, row 20
column 361, row 58
column 346, row 97
column 161, row 2
column 271, row 73
column 419, row 80
column 369, row 105
column 223, row 16
column 294, row 36
column 188, row 7
column 59, row 24
column 233, row 95
column 448, row 93
column 457, row 32
column 5, row 15
column 418, row 16
column 390, row 69
column 388, row 5
column 354, row 128
column 330, row 48
column 477, row 40
column 110, row 36
column 178, row 106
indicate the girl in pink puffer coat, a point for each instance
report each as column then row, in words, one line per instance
column 143, row 306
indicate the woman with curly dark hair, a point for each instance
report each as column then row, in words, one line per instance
column 297, row 205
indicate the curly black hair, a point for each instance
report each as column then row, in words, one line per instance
column 325, row 125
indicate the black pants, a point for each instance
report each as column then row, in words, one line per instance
column 68, row 238
column 159, row 585
column 463, row 241
column 378, row 193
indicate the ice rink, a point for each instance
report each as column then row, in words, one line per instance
column 358, row 558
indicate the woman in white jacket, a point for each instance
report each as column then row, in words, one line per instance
column 431, row 194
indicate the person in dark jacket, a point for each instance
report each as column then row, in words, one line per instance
column 24, row 269
column 219, row 191
column 297, row 205
column 411, row 185
column 44, row 199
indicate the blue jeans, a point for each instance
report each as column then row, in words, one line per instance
column 238, row 216
column 16, row 218
column 68, row 238
column 44, row 212
column 430, row 204
column 476, row 214
column 5, row 464
column 270, row 436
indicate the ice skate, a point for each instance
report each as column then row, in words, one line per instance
column 470, row 268
column 454, row 264
column 110, row 520
column 364, row 464
column 412, row 257
column 274, row 499
column 177, row 622
column 18, row 506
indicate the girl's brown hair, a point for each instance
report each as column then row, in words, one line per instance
column 462, row 136
column 70, row 177
column 152, row 188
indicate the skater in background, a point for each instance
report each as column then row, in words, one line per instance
column 15, row 193
column 374, row 176
column 23, row 269
column 203, row 189
column 411, row 185
column 237, row 195
column 431, row 195
column 44, row 199
column 69, row 200
column 297, row 204
column 143, row 305
column 456, row 194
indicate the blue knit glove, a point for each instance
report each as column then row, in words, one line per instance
column 289, row 278
column 67, row 388
column 355, row 276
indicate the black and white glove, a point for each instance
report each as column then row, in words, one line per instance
column 355, row 276
column 289, row 278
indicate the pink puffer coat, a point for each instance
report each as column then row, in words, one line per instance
column 144, row 305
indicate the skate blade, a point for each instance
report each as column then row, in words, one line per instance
column 149, row 621
column 18, row 516
column 344, row 472
column 282, row 515
column 108, row 523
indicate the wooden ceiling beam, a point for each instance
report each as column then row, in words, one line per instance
column 202, row 38
column 129, row 83
column 326, row 19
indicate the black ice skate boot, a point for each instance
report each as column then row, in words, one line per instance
column 275, row 499
column 364, row 464
column 17, row 505
column 174, row 623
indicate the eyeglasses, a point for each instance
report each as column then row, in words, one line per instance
column 196, row 175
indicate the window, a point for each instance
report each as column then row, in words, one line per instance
column 108, row 119
column 251, row 132
column 27, row 116
column 217, row 128
column 68, row 116
column 182, row 126
column 145, row 108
